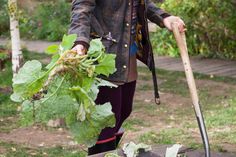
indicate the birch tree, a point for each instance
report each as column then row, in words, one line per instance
column 15, row 36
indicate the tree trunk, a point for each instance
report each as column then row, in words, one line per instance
column 15, row 36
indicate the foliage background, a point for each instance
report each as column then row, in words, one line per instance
column 210, row 23
column 211, row 28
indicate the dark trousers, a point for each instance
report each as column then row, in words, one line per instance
column 121, row 99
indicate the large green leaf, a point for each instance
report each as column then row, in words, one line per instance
column 94, row 89
column 88, row 130
column 29, row 80
column 70, row 91
column 95, row 46
column 106, row 65
column 57, row 103
column 132, row 150
column 68, row 42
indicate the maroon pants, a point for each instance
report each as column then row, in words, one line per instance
column 121, row 99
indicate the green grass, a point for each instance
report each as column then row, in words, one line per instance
column 175, row 81
column 222, row 116
column 6, row 76
column 132, row 123
column 24, row 151
column 219, row 110
column 167, row 136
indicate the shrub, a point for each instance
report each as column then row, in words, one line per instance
column 4, row 19
column 211, row 28
column 50, row 21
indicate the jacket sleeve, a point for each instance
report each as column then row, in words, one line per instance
column 80, row 19
column 155, row 14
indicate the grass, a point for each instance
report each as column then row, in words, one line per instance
column 133, row 124
column 218, row 105
column 24, row 151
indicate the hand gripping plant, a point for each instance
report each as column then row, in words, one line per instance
column 67, row 88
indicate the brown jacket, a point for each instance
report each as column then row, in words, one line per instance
column 111, row 20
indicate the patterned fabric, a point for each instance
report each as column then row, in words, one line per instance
column 133, row 46
column 134, row 16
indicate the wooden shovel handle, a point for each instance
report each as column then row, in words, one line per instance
column 181, row 42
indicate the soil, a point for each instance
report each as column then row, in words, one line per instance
column 2, row 150
column 37, row 136
column 5, row 90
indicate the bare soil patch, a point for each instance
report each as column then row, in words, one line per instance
column 38, row 137
column 5, row 90
column 2, row 150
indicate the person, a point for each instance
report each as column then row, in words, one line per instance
column 122, row 27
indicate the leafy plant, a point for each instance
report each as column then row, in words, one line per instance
column 4, row 19
column 132, row 150
column 210, row 25
column 163, row 43
column 49, row 21
column 67, row 88
column 3, row 56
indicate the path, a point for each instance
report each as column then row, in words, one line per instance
column 36, row 46
column 200, row 65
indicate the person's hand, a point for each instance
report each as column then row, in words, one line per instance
column 171, row 19
column 80, row 49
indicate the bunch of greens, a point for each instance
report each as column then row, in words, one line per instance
column 67, row 88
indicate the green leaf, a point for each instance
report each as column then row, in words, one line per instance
column 132, row 150
column 94, row 89
column 82, row 94
column 52, row 49
column 106, row 83
column 93, row 92
column 95, row 46
column 70, row 91
column 88, row 130
column 16, row 97
column 29, row 80
column 86, row 83
column 106, row 65
column 173, row 151
column 68, row 42
column 57, row 103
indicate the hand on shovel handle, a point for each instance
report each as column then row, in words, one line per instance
column 181, row 42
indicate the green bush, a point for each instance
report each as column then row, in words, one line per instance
column 4, row 19
column 49, row 21
column 211, row 28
